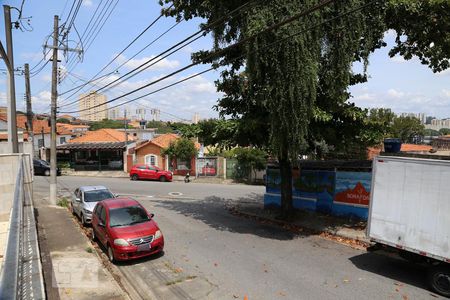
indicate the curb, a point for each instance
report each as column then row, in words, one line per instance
column 333, row 235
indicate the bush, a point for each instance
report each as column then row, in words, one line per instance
column 63, row 202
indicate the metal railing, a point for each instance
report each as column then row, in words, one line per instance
column 21, row 276
column 9, row 281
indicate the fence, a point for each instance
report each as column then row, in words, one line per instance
column 21, row 272
column 337, row 189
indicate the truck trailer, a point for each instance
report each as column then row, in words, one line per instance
column 409, row 213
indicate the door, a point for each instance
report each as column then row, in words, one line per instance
column 142, row 172
column 152, row 173
column 77, row 204
column 101, row 225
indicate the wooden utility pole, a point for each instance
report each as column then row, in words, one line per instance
column 11, row 93
column 29, row 108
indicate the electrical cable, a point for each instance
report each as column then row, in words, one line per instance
column 212, row 68
column 124, row 49
column 202, row 32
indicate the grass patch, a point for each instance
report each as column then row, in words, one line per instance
column 179, row 280
column 63, row 202
column 89, row 250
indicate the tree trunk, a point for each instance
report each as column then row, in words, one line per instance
column 287, row 207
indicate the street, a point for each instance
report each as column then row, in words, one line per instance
column 211, row 254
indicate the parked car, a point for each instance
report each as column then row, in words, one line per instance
column 149, row 172
column 84, row 200
column 125, row 229
column 41, row 167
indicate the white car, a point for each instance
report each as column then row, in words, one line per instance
column 85, row 198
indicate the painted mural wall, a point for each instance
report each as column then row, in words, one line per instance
column 338, row 193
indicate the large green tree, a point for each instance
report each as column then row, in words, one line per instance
column 281, row 86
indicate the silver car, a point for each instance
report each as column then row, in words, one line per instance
column 85, row 198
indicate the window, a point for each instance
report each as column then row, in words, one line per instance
column 126, row 216
column 97, row 195
column 151, row 160
column 40, row 143
column 142, row 167
column 62, row 140
column 102, row 217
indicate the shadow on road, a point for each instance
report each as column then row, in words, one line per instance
column 399, row 270
column 212, row 211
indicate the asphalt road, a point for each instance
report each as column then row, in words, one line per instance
column 211, row 254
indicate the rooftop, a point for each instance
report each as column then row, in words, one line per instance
column 104, row 135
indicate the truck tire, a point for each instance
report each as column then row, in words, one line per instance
column 439, row 279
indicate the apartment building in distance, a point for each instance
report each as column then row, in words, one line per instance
column 93, row 107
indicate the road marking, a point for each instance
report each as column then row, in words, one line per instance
column 175, row 194
column 149, row 196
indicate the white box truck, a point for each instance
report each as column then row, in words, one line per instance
column 409, row 213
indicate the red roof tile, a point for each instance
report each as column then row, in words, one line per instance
column 101, row 136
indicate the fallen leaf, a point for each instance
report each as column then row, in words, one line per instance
column 398, row 284
column 433, row 295
column 235, row 296
column 405, row 297
column 282, row 294
column 215, row 264
column 346, row 280
column 265, row 271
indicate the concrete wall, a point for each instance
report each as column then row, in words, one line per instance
column 24, row 147
column 9, row 167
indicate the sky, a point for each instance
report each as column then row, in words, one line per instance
column 403, row 86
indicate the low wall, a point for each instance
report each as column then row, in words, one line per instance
column 341, row 193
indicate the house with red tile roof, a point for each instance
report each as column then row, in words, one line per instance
column 150, row 153
column 97, row 150
column 41, row 131
column 405, row 148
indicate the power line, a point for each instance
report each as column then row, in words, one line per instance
column 179, row 44
column 121, row 52
column 212, row 68
column 131, row 100
column 92, row 35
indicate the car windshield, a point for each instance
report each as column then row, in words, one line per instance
column 126, row 216
column 45, row 163
column 97, row 195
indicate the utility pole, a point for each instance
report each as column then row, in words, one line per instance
column 125, row 126
column 11, row 93
column 29, row 109
column 54, row 98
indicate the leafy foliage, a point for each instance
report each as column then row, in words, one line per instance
column 431, row 132
column 161, row 127
column 114, row 124
column 289, row 91
column 62, row 120
column 249, row 159
column 408, row 129
column 444, row 131
column 183, row 149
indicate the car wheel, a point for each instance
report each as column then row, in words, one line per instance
column 134, row 177
column 163, row 179
column 111, row 255
column 47, row 172
column 439, row 280
column 83, row 220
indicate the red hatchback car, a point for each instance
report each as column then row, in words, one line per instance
column 149, row 172
column 125, row 228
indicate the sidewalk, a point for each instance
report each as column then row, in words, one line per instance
column 343, row 230
column 72, row 269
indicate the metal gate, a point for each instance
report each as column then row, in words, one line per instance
column 207, row 166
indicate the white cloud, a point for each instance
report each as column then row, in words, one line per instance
column 46, row 78
column 398, row 59
column 444, row 73
column 395, row 94
column 446, row 93
column 162, row 64
column 365, row 97
column 87, row 3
